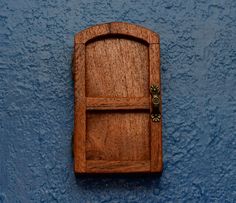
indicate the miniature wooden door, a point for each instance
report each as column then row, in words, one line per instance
column 117, row 126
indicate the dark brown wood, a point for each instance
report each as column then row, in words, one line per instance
column 117, row 103
column 155, row 127
column 118, row 135
column 80, row 108
column 117, row 28
column 117, row 67
column 117, row 166
column 114, row 66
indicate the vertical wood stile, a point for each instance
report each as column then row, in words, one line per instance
column 155, row 127
column 80, row 108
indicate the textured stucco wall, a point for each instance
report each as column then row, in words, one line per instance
column 198, row 55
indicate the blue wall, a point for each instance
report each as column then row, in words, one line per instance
column 198, row 56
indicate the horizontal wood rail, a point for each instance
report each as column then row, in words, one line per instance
column 93, row 103
column 100, row 166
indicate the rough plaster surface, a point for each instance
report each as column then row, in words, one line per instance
column 198, row 55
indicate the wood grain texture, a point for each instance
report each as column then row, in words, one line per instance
column 93, row 103
column 134, row 31
column 118, row 135
column 114, row 66
column 117, row 166
column 115, row 28
column 156, row 127
column 79, row 108
column 117, row 67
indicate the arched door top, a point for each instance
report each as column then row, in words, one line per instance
column 117, row 28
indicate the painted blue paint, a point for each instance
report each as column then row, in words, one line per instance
column 198, row 62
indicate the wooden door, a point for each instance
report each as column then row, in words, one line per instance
column 115, row 64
